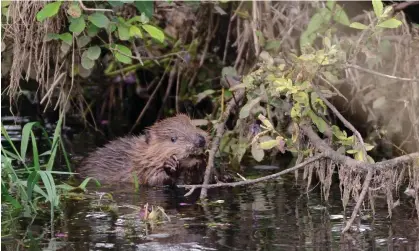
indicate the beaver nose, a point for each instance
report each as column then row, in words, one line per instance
column 200, row 141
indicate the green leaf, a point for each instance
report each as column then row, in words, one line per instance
column 67, row 38
column 26, row 131
column 340, row 16
column 368, row 147
column 93, row 52
column 266, row 145
column 146, row 7
column 358, row 26
column 83, row 41
column 86, row 62
column 49, row 10
column 319, row 122
column 74, row 11
column 154, row 32
column 245, row 111
column 99, row 19
column 257, row 153
column 77, row 25
column 265, row 121
column 378, row 7
column 123, row 32
column 92, row 30
column 273, row 45
column 119, row 54
column 134, row 31
column 352, row 151
column 391, row 23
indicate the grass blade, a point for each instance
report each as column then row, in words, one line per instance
column 35, row 152
column 26, row 131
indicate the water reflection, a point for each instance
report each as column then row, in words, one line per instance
column 262, row 217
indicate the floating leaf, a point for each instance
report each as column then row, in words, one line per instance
column 266, row 145
column 134, row 31
column 146, row 7
column 99, row 19
column 119, row 54
column 257, row 153
column 74, row 11
column 67, row 38
column 86, row 62
column 77, row 25
column 154, row 32
column 93, row 52
column 123, row 32
column 378, row 7
column 358, row 26
column 49, row 10
column 391, row 23
column 83, row 41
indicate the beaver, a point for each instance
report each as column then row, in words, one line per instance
column 169, row 152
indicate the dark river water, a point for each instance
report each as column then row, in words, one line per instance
column 278, row 215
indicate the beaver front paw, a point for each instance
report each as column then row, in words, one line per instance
column 171, row 165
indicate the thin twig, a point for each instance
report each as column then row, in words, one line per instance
column 149, row 100
column 254, row 181
column 216, row 142
column 92, row 9
column 169, row 87
column 380, row 74
column 343, row 120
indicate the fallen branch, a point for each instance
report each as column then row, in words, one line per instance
column 254, row 181
column 216, row 142
column 380, row 74
column 347, row 161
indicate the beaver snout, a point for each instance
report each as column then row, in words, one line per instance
column 200, row 141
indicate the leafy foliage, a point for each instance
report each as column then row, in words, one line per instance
column 84, row 26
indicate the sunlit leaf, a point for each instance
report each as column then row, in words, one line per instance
column 358, row 26
column 49, row 10
column 266, row 145
column 123, row 54
column 135, row 31
column 391, row 23
column 378, row 7
column 154, row 32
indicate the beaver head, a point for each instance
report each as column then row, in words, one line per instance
column 176, row 136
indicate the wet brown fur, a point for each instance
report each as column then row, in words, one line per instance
column 146, row 154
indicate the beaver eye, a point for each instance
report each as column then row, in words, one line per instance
column 173, row 139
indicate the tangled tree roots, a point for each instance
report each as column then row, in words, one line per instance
column 32, row 55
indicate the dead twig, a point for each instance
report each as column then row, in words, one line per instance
column 172, row 75
column 216, row 142
column 343, row 120
column 92, row 9
column 149, row 100
column 254, row 181
column 380, row 74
